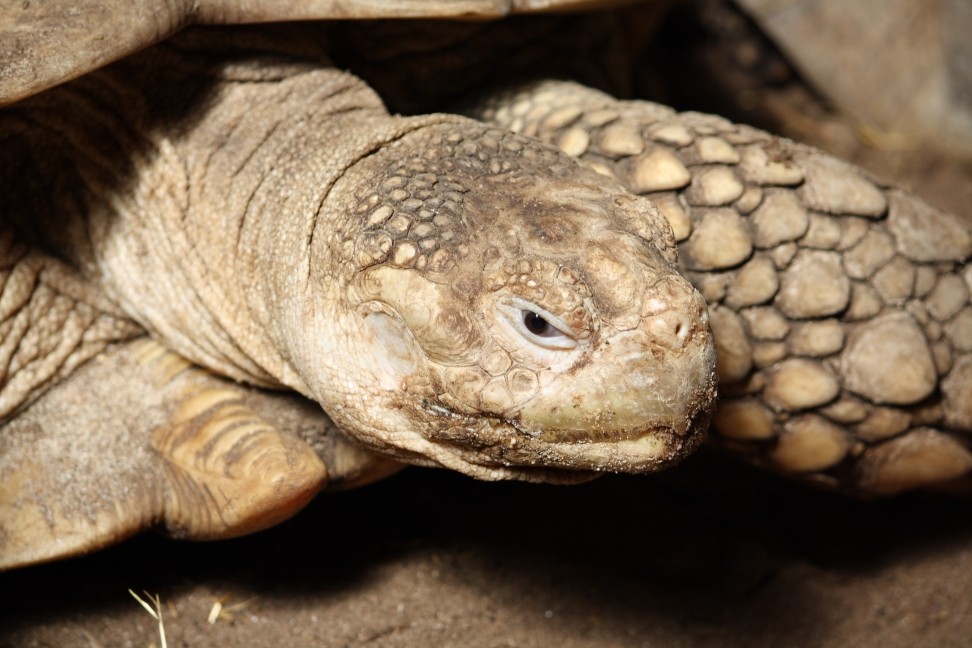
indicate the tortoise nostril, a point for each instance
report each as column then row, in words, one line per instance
column 682, row 329
column 671, row 329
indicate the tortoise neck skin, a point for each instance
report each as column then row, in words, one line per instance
column 451, row 294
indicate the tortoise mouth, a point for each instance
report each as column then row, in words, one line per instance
column 491, row 443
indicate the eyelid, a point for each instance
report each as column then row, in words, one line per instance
column 514, row 309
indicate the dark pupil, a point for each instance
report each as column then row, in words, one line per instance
column 535, row 324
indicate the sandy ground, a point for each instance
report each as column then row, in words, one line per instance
column 710, row 554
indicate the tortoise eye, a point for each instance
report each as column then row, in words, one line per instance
column 538, row 329
column 536, row 324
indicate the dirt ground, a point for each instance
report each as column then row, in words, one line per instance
column 710, row 554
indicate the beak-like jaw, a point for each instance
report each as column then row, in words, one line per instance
column 638, row 401
column 645, row 405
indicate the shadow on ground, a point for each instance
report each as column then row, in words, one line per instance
column 709, row 555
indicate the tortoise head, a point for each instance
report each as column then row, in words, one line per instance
column 524, row 314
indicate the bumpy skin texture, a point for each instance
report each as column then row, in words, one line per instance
column 840, row 307
column 452, row 294
column 51, row 322
column 263, row 215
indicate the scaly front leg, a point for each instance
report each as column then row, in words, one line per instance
column 840, row 306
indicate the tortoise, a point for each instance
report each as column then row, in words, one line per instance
column 232, row 278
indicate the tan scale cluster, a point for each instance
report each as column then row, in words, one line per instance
column 412, row 217
column 840, row 307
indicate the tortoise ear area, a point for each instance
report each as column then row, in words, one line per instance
column 396, row 355
column 441, row 323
